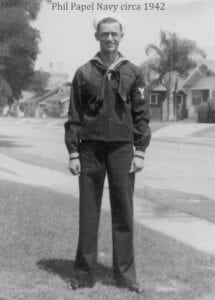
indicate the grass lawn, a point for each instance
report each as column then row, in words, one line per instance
column 196, row 205
column 38, row 236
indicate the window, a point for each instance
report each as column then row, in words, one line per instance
column 153, row 100
column 197, row 97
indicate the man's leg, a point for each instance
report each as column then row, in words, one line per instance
column 121, row 185
column 91, row 184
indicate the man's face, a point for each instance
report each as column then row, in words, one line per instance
column 109, row 35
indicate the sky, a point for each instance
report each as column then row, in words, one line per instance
column 67, row 35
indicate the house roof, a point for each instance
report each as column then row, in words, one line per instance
column 200, row 72
column 210, row 64
column 162, row 88
column 158, row 88
column 57, row 97
column 58, row 94
column 35, row 100
column 61, row 95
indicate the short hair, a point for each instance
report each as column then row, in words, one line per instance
column 109, row 20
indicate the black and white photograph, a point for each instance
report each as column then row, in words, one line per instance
column 107, row 149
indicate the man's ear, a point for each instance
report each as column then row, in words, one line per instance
column 122, row 35
column 96, row 36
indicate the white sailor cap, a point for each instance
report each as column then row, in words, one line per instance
column 103, row 16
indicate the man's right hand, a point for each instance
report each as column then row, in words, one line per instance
column 75, row 166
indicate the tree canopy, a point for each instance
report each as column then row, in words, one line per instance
column 174, row 58
column 38, row 82
column 5, row 91
column 174, row 54
column 18, row 43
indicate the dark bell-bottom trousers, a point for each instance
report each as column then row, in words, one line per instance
column 97, row 159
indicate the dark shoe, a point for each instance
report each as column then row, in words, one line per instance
column 75, row 284
column 135, row 288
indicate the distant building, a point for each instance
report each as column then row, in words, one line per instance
column 200, row 87
column 197, row 88
column 56, row 80
column 158, row 102
column 57, row 104
column 53, row 103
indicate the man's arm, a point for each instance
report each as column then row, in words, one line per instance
column 140, row 115
column 73, row 124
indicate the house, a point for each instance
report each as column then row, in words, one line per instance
column 53, row 103
column 161, row 109
column 200, row 87
column 31, row 107
column 57, row 104
column 158, row 103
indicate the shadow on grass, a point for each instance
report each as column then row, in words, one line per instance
column 65, row 269
column 11, row 144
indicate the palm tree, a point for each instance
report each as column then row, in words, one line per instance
column 175, row 57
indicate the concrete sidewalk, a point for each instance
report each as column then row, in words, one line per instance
column 186, row 133
column 181, row 130
column 197, row 233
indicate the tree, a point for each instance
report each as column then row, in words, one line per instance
column 175, row 57
column 5, row 92
column 18, row 43
column 38, row 82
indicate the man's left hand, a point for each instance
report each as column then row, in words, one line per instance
column 137, row 164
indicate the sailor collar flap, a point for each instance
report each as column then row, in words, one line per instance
column 115, row 67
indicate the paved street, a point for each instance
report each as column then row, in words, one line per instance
column 34, row 153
